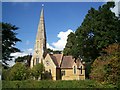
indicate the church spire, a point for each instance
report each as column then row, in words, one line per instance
column 40, row 43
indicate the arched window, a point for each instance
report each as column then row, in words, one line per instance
column 81, row 69
column 74, row 70
column 37, row 60
column 63, row 73
column 50, row 70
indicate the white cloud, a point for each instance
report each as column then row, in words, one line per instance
column 116, row 9
column 19, row 54
column 30, row 49
column 49, row 46
column 60, row 44
column 23, row 53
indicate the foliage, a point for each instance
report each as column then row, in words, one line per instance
column 106, row 68
column 5, row 74
column 37, row 70
column 24, row 59
column 46, row 76
column 18, row 72
column 53, row 51
column 99, row 29
column 55, row 84
column 87, row 69
column 70, row 43
column 9, row 41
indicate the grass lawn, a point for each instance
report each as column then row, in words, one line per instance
column 55, row 84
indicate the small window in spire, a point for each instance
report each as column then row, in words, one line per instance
column 37, row 60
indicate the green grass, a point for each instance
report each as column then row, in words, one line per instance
column 55, row 84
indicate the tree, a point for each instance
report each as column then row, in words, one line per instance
column 25, row 59
column 99, row 29
column 69, row 45
column 53, row 51
column 106, row 68
column 9, row 41
column 37, row 71
column 49, row 50
column 18, row 72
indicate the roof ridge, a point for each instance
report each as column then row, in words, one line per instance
column 61, row 60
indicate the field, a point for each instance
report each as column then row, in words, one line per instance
column 55, row 84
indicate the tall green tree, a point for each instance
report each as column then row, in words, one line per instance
column 99, row 29
column 69, row 46
column 9, row 41
column 37, row 71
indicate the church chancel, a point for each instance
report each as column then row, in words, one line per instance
column 59, row 66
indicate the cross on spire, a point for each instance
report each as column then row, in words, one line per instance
column 42, row 5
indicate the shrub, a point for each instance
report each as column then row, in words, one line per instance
column 18, row 72
column 37, row 71
column 106, row 68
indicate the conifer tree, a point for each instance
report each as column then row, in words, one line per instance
column 9, row 41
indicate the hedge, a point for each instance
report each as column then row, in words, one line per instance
column 55, row 84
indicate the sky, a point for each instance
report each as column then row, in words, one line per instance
column 61, row 18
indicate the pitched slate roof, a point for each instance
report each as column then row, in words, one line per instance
column 56, row 59
column 64, row 61
column 67, row 62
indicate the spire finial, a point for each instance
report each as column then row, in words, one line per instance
column 42, row 5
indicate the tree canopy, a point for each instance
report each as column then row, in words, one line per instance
column 69, row 45
column 9, row 41
column 99, row 29
column 53, row 51
column 26, row 59
column 18, row 72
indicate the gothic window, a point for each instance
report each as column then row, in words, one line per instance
column 37, row 60
column 47, row 62
column 37, row 51
column 74, row 70
column 81, row 69
column 63, row 73
column 37, row 45
column 50, row 70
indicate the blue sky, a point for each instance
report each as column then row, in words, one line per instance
column 59, row 17
column 60, row 20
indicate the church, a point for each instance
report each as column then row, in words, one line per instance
column 60, row 67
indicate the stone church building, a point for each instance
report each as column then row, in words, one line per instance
column 59, row 66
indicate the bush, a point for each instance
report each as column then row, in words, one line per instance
column 18, row 72
column 37, row 71
column 106, row 68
